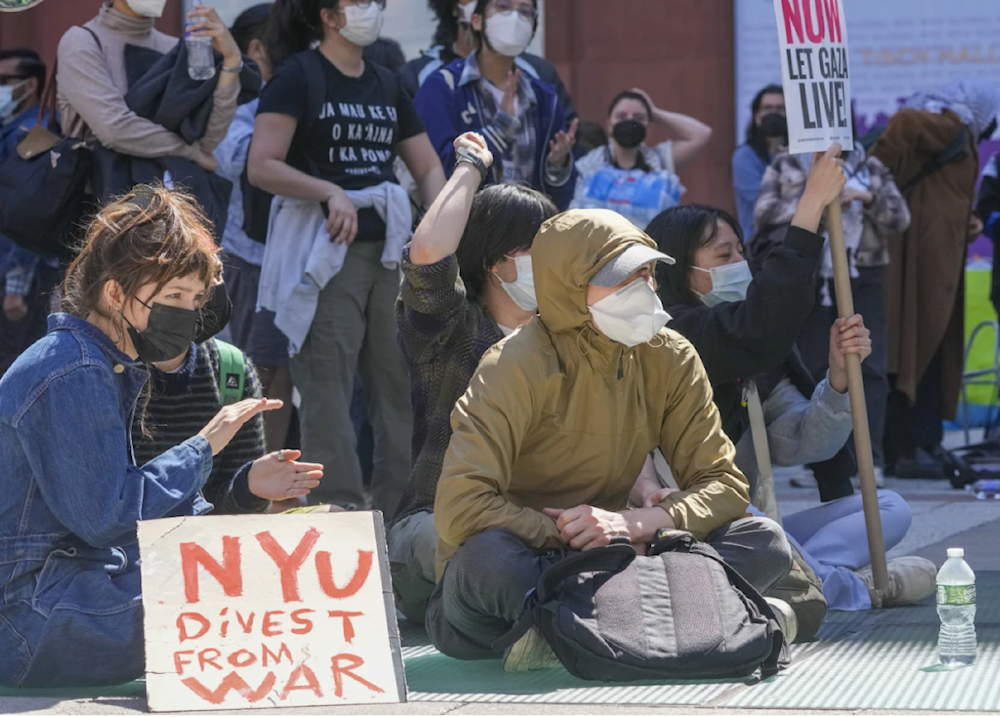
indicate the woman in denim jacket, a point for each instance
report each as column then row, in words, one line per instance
column 70, row 612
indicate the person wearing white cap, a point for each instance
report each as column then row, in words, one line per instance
column 554, row 428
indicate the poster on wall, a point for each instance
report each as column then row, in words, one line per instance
column 264, row 611
column 812, row 39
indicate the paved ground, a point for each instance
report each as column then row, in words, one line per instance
column 942, row 518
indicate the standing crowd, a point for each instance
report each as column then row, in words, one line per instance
column 552, row 353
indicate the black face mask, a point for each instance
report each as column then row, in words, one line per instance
column 629, row 133
column 169, row 332
column 215, row 314
column 774, row 125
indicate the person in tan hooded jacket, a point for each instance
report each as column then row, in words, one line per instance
column 557, row 423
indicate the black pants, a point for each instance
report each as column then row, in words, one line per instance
column 920, row 425
column 814, row 346
column 482, row 592
column 16, row 336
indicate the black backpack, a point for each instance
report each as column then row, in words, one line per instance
column 43, row 198
column 681, row 613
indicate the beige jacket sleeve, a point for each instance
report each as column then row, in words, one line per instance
column 713, row 492
column 489, row 425
column 87, row 86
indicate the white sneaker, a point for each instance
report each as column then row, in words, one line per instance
column 786, row 618
column 879, row 478
column 531, row 652
column 911, row 580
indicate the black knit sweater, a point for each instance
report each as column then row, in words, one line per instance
column 182, row 404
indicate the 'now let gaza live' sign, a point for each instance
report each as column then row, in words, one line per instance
column 268, row 611
column 814, row 67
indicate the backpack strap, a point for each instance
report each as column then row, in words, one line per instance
column 778, row 656
column 232, row 373
column 952, row 153
column 50, row 97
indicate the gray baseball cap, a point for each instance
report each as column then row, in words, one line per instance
column 627, row 263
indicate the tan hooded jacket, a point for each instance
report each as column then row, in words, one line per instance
column 558, row 415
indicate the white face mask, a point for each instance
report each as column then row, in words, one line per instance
column 632, row 315
column 466, row 12
column 522, row 289
column 509, row 33
column 8, row 105
column 729, row 283
column 148, row 8
column 363, row 24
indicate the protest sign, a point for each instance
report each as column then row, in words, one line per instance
column 812, row 35
column 268, row 611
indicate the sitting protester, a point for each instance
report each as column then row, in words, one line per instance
column 743, row 325
column 520, row 117
column 629, row 177
column 467, row 283
column 555, row 426
column 73, row 492
column 873, row 210
column 184, row 394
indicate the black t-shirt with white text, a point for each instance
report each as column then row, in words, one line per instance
column 353, row 142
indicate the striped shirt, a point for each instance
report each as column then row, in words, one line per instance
column 182, row 404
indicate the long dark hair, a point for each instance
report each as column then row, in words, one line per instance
column 756, row 140
column 680, row 232
column 294, row 26
column 504, row 219
column 447, row 27
column 251, row 25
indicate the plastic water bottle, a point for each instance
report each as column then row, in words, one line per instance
column 201, row 58
column 956, row 605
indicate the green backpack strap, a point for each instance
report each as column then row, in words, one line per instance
column 232, row 373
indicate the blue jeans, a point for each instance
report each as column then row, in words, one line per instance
column 834, row 541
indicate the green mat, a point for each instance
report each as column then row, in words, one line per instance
column 864, row 660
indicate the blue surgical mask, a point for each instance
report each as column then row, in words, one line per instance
column 729, row 283
column 8, row 105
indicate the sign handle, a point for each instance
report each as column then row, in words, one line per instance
column 859, row 409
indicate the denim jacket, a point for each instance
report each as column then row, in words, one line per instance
column 72, row 493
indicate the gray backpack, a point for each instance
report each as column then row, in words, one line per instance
column 681, row 613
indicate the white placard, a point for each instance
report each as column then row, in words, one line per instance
column 812, row 35
column 268, row 611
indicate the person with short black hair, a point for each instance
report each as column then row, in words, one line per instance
column 767, row 133
column 628, row 176
column 521, row 118
column 25, row 280
column 467, row 283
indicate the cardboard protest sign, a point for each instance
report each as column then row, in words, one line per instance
column 812, row 35
column 268, row 611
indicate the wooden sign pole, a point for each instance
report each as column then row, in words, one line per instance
column 859, row 409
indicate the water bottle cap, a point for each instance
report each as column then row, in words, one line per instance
column 956, row 552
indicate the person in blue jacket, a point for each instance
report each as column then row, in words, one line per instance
column 521, row 117
column 71, row 607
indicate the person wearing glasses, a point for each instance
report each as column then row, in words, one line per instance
column 521, row 117
column 454, row 38
column 329, row 128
